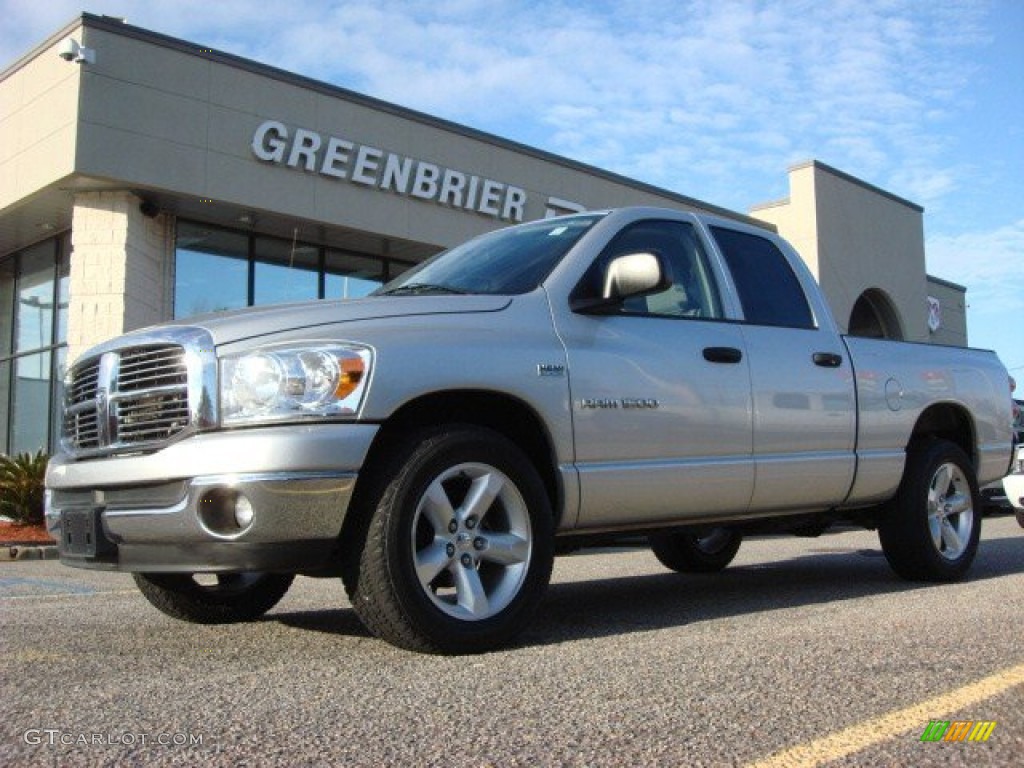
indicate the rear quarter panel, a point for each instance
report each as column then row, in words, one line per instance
column 898, row 381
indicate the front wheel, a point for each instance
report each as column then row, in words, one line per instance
column 459, row 546
column 931, row 530
column 224, row 598
column 706, row 551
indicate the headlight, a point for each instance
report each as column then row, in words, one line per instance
column 279, row 384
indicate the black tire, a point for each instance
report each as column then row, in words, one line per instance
column 704, row 551
column 1019, row 514
column 437, row 573
column 230, row 598
column 930, row 531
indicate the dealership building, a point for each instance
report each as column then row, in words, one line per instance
column 145, row 178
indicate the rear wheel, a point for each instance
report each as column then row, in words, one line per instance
column 459, row 546
column 223, row 598
column 931, row 530
column 704, row 551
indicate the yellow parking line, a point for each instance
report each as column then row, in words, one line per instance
column 879, row 729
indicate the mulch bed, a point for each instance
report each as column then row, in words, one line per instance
column 13, row 533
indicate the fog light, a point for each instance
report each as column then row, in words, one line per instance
column 243, row 511
column 225, row 512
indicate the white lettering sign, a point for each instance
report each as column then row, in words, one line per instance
column 338, row 158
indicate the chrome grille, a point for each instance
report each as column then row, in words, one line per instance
column 140, row 395
column 81, row 424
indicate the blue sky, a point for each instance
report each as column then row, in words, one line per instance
column 710, row 98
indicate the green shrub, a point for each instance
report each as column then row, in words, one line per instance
column 21, row 487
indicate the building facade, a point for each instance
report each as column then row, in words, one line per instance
column 144, row 179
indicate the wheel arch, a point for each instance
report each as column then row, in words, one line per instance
column 948, row 421
column 498, row 411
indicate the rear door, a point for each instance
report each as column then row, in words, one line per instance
column 804, row 415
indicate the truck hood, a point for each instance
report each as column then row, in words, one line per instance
column 238, row 325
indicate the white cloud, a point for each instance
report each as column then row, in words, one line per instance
column 990, row 263
column 662, row 84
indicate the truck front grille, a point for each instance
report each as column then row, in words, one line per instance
column 136, row 397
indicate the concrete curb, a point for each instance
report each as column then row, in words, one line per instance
column 12, row 552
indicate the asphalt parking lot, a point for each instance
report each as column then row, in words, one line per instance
column 804, row 652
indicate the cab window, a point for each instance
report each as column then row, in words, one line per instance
column 769, row 291
column 692, row 293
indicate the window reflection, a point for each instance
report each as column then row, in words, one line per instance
column 349, row 276
column 285, row 271
column 211, row 271
column 6, row 308
column 31, row 403
column 63, row 288
column 33, row 326
column 34, row 314
column 213, row 268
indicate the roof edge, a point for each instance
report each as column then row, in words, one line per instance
column 858, row 182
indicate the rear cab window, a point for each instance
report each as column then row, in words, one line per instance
column 769, row 291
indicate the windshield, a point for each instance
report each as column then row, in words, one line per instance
column 507, row 261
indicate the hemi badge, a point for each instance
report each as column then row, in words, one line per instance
column 549, row 369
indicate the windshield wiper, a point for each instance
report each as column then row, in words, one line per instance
column 414, row 289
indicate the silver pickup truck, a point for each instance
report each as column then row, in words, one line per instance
column 637, row 371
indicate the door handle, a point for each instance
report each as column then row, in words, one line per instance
column 722, row 354
column 827, row 359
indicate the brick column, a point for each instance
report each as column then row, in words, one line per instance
column 121, row 265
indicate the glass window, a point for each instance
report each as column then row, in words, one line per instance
column 285, row 271
column 6, row 309
column 34, row 313
column 211, row 270
column 769, row 290
column 5, row 402
column 31, row 403
column 63, row 289
column 692, row 293
column 348, row 276
column 60, row 361
column 33, row 317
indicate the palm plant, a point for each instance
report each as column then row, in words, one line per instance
column 21, row 487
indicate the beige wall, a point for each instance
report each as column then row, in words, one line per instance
column 38, row 125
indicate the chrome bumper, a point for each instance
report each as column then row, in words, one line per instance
column 262, row 499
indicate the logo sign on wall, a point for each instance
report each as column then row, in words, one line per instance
column 373, row 167
column 934, row 314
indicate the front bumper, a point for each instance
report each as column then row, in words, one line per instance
column 268, row 499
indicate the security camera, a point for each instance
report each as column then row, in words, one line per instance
column 69, row 49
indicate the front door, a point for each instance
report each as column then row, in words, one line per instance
column 660, row 393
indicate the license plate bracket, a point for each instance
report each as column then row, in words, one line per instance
column 82, row 535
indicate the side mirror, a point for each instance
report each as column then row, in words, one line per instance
column 625, row 277
column 633, row 274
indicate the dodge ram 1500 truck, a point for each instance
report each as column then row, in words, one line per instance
column 638, row 371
